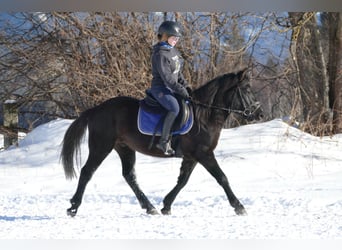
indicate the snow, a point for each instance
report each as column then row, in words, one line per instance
column 10, row 101
column 289, row 182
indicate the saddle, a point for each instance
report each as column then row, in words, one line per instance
column 151, row 116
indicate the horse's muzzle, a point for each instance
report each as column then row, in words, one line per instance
column 254, row 112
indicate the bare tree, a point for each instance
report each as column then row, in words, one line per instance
column 307, row 53
column 318, row 69
column 76, row 60
column 65, row 63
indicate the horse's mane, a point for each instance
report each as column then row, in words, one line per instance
column 207, row 92
column 207, row 95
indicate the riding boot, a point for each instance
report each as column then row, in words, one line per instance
column 164, row 142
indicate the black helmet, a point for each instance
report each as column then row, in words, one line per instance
column 170, row 28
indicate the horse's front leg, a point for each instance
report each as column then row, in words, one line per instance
column 209, row 162
column 187, row 167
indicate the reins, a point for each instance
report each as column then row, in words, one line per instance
column 247, row 112
column 216, row 107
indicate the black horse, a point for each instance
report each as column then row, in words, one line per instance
column 113, row 125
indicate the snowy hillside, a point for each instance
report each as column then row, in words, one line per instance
column 289, row 182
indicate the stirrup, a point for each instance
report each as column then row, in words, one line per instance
column 165, row 146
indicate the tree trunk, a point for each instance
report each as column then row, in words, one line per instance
column 335, row 68
column 10, row 123
column 308, row 56
column 213, row 46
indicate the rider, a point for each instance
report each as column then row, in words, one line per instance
column 167, row 78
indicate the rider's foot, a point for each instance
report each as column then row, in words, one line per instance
column 165, row 146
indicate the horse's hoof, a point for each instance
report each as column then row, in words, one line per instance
column 240, row 211
column 71, row 212
column 152, row 211
column 166, row 211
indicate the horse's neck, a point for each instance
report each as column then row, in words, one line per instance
column 218, row 118
column 211, row 118
column 210, row 96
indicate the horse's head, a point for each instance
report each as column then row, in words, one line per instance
column 242, row 99
column 230, row 93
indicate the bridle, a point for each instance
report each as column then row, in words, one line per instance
column 247, row 111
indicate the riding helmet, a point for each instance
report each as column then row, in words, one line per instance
column 170, row 28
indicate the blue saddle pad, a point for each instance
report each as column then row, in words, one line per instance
column 152, row 123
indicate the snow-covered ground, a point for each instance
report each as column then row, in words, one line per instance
column 289, row 182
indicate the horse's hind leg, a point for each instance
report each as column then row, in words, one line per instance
column 127, row 157
column 99, row 148
column 93, row 162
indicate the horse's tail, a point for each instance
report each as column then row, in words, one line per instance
column 71, row 144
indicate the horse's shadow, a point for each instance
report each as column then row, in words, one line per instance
column 23, row 218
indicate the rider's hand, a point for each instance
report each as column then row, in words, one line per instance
column 189, row 90
column 184, row 93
